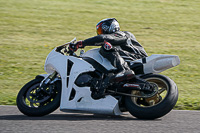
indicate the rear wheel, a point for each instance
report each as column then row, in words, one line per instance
column 159, row 104
column 31, row 101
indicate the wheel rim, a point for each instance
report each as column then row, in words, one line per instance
column 34, row 99
column 163, row 89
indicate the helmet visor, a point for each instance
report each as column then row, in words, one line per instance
column 99, row 29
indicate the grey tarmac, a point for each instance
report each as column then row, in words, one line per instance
column 12, row 121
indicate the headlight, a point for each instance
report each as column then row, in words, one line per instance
column 49, row 69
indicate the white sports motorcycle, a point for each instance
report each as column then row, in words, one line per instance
column 72, row 79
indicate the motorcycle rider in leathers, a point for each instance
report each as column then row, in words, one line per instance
column 115, row 44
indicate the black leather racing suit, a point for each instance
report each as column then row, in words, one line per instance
column 124, row 44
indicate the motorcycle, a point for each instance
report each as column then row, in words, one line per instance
column 72, row 80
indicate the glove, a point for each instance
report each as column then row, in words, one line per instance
column 74, row 47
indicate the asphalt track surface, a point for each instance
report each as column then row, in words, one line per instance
column 12, row 121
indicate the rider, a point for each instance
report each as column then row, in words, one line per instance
column 115, row 43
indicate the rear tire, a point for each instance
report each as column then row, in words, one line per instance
column 49, row 103
column 157, row 106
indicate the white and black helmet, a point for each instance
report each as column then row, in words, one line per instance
column 107, row 26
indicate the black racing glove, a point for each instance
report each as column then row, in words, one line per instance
column 77, row 45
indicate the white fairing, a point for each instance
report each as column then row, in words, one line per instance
column 94, row 54
column 157, row 63
column 81, row 100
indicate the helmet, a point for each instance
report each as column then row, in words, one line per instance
column 107, row 26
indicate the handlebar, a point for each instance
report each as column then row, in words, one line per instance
column 64, row 46
column 66, row 50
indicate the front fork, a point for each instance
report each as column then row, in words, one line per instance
column 46, row 81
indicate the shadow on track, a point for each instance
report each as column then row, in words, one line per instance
column 69, row 117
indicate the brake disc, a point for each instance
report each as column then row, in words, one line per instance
column 34, row 95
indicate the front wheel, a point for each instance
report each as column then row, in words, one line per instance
column 159, row 104
column 31, row 101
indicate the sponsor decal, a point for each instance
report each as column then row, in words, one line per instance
column 131, row 85
column 107, row 45
column 105, row 27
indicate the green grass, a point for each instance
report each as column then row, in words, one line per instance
column 30, row 29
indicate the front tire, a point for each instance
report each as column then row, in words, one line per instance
column 158, row 105
column 31, row 104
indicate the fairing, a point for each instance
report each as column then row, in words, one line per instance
column 74, row 97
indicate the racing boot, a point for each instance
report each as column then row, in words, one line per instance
column 124, row 72
column 112, row 54
column 122, row 76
